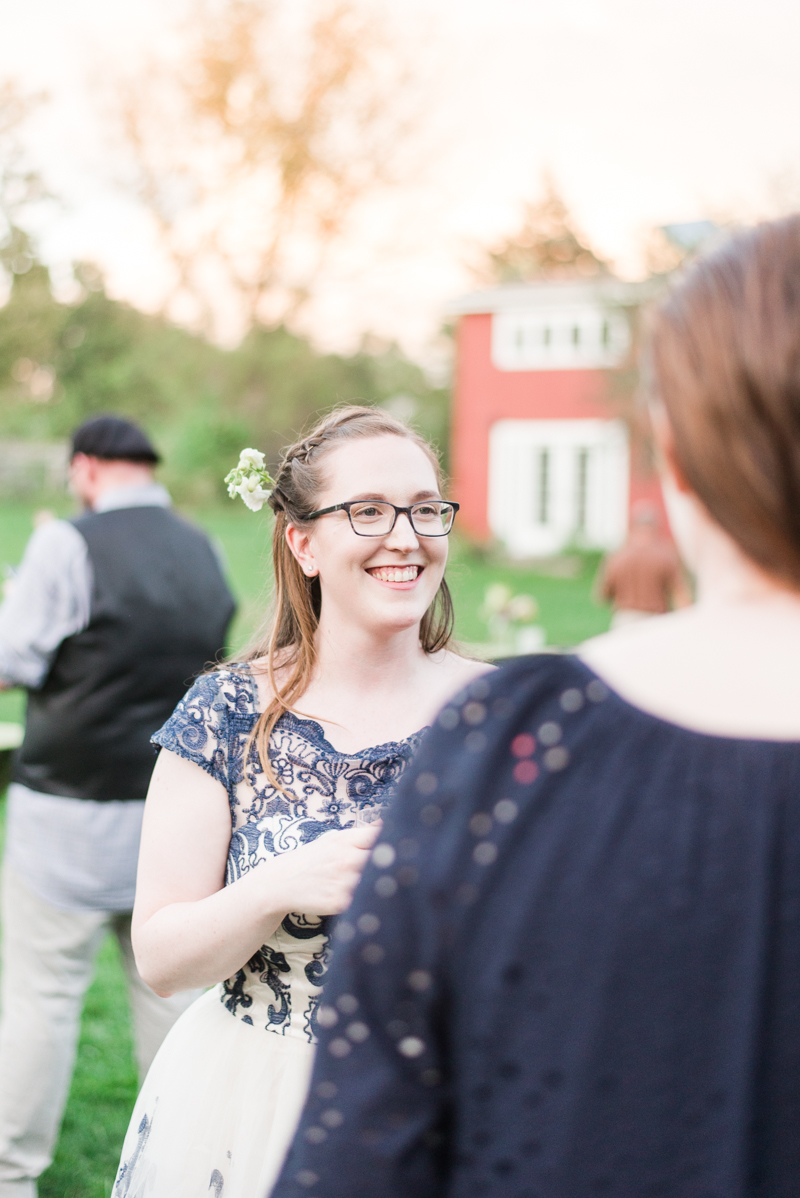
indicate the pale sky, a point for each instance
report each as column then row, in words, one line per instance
column 645, row 111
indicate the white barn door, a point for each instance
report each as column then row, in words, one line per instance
column 555, row 483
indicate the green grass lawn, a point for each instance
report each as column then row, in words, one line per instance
column 104, row 1085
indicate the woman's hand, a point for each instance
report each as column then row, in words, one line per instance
column 319, row 878
column 189, row 928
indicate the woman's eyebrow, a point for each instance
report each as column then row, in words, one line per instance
column 381, row 498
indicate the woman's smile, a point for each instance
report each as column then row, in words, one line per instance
column 399, row 578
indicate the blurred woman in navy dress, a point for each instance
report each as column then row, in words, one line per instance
column 572, row 967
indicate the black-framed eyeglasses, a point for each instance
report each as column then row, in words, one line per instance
column 377, row 518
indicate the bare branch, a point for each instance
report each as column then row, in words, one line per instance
column 253, row 150
column 20, row 185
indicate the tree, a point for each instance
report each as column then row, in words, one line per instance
column 61, row 363
column 30, row 319
column 20, row 185
column 548, row 245
column 253, row 149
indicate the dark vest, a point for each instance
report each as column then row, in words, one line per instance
column 159, row 614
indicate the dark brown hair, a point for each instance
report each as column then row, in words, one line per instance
column 289, row 642
column 725, row 356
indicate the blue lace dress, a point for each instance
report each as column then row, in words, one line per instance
column 222, row 1098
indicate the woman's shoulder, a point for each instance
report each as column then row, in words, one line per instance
column 214, row 714
column 458, row 672
column 209, row 704
column 526, row 682
column 521, row 696
column 258, row 670
column 550, row 716
column 724, row 670
column 549, row 695
column 229, row 687
column 468, row 667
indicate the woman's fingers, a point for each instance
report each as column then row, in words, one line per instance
column 321, row 876
column 342, row 840
column 364, row 837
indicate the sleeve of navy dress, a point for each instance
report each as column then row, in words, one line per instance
column 572, row 967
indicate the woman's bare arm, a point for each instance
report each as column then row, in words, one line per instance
column 189, row 929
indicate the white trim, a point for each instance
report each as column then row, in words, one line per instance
column 606, row 291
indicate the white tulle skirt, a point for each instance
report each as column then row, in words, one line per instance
column 218, row 1109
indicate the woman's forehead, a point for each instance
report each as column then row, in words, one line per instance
column 370, row 463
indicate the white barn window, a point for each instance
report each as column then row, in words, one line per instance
column 570, row 337
column 553, row 483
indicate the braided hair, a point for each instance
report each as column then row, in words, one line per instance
column 288, row 642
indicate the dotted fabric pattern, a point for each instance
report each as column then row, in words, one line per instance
column 572, row 967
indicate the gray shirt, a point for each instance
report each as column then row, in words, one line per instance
column 50, row 596
column 75, row 854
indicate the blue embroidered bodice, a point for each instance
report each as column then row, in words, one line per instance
column 279, row 987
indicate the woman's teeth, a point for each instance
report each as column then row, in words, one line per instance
column 395, row 574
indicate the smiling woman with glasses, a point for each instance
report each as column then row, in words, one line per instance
column 257, row 822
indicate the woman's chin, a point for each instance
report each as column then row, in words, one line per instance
column 393, row 622
column 390, row 613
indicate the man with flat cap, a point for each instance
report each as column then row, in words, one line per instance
column 111, row 616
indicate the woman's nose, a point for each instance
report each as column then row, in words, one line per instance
column 402, row 535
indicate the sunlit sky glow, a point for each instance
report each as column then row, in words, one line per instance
column 645, row 111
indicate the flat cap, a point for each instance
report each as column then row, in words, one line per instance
column 114, row 439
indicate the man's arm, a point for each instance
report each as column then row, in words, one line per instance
column 49, row 601
column 680, row 591
column 677, row 589
column 605, row 582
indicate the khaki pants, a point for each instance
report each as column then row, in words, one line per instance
column 48, row 958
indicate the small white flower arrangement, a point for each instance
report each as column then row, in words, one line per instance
column 500, row 603
column 250, row 479
column 511, row 621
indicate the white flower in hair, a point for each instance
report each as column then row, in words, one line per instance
column 251, row 458
column 250, row 479
column 254, row 495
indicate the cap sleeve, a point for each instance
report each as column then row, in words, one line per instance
column 201, row 725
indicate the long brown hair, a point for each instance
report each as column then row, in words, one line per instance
column 289, row 640
column 725, row 352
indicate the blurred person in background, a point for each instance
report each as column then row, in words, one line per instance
column 267, row 770
column 109, row 616
column 591, row 983
column 645, row 577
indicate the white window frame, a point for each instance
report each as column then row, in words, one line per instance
column 568, row 337
column 598, row 449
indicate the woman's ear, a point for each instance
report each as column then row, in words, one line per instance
column 299, row 543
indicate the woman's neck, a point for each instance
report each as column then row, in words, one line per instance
column 729, row 665
column 366, row 661
column 370, row 687
column 726, row 577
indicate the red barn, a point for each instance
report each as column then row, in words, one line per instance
column 540, row 460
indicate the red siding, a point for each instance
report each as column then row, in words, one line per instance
column 484, row 394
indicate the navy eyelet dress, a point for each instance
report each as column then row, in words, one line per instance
column 590, row 988
column 219, row 1105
